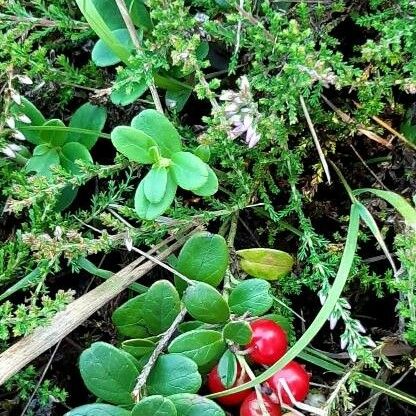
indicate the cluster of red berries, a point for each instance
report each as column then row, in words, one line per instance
column 268, row 344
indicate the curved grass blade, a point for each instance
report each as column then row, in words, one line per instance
column 322, row 316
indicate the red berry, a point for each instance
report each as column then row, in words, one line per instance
column 215, row 385
column 297, row 380
column 268, row 343
column 251, row 407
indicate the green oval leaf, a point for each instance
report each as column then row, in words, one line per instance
column 204, row 258
column 189, row 171
column 161, row 306
column 252, row 296
column 154, row 184
column 203, row 151
column 126, row 94
column 227, row 369
column 53, row 137
column 154, row 406
column 35, row 116
column 201, row 345
column 210, row 187
column 44, row 158
column 138, row 347
column 102, row 55
column 88, row 117
column 145, row 209
column 129, row 318
column 98, row 409
column 189, row 326
column 72, row 152
column 195, row 405
column 265, row 263
column 172, row 374
column 160, row 129
column 238, row 332
column 133, row 144
column 109, row 373
column 206, row 304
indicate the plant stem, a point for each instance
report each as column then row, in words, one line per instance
column 121, row 4
column 142, row 378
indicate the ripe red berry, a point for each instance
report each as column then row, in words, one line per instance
column 251, row 406
column 215, row 385
column 296, row 378
column 268, row 343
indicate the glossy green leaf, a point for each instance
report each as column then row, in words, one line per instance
column 145, row 209
column 189, row 326
column 109, row 373
column 238, row 332
column 154, row 184
column 227, row 369
column 176, row 100
column 55, row 138
column 35, row 116
column 203, row 151
column 128, row 93
column 210, row 187
column 44, row 158
column 154, row 406
column 195, row 405
column 133, row 144
column 129, row 318
column 206, row 304
column 161, row 306
column 252, row 296
column 189, row 171
column 70, row 153
column 265, row 263
column 138, row 347
column 98, row 409
column 172, row 374
column 88, row 117
column 103, row 55
column 65, row 198
column 204, row 257
column 160, row 129
column 201, row 345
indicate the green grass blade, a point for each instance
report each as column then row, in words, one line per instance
column 33, row 277
column 397, row 201
column 322, row 316
column 366, row 216
column 321, row 360
column 67, row 129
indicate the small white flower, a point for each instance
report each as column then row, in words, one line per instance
column 18, row 135
column 201, row 17
column 8, row 152
column 370, row 342
column 24, row 119
column 322, row 297
column 227, row 95
column 344, row 342
column 16, row 97
column 10, row 121
column 24, row 79
column 58, row 232
column 15, row 147
column 333, row 319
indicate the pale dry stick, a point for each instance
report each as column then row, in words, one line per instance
column 27, row 349
column 164, row 265
column 316, row 140
column 142, row 378
column 389, row 128
column 121, row 4
column 361, row 129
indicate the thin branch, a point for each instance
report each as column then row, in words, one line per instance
column 142, row 378
column 121, row 4
column 316, row 140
